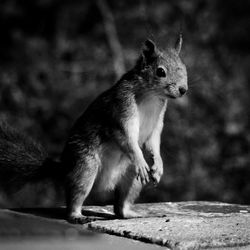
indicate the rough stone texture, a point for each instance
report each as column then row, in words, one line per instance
column 187, row 225
column 184, row 225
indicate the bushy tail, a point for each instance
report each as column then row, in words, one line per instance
column 22, row 160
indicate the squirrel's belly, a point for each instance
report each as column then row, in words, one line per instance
column 113, row 166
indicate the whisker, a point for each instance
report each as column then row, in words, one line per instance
column 194, row 81
column 192, row 87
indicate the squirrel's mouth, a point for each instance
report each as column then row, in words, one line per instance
column 170, row 91
column 170, row 94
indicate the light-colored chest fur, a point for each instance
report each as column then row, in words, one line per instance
column 147, row 117
column 149, row 108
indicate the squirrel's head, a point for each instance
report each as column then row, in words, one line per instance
column 164, row 71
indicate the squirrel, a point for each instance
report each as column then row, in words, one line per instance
column 107, row 145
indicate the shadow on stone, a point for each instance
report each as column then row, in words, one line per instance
column 61, row 214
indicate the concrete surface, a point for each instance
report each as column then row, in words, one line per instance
column 184, row 225
column 187, row 225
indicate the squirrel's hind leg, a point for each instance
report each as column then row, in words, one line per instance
column 79, row 184
column 126, row 192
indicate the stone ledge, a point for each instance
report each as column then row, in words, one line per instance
column 182, row 225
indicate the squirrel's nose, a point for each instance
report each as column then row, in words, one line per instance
column 182, row 90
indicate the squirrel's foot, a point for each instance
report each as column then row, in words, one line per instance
column 127, row 213
column 131, row 214
column 78, row 219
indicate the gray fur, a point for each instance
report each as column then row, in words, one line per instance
column 100, row 154
column 107, row 147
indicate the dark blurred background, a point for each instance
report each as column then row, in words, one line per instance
column 56, row 56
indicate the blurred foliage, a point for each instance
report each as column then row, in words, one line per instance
column 55, row 59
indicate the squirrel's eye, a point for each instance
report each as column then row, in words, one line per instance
column 160, row 72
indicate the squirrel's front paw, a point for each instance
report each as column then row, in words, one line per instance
column 143, row 171
column 157, row 172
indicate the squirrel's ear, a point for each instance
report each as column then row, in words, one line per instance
column 149, row 51
column 178, row 44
